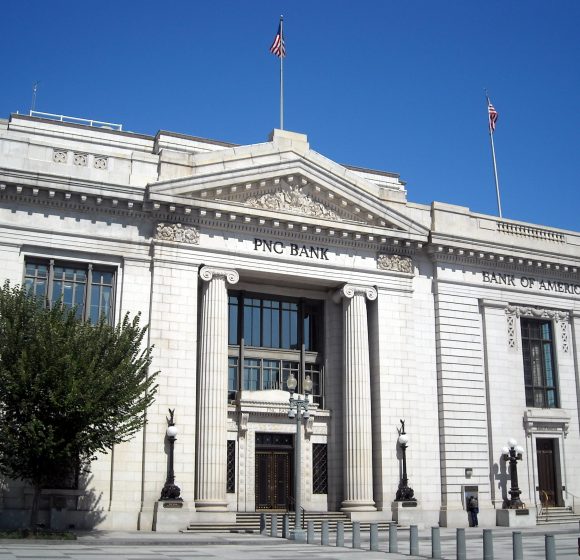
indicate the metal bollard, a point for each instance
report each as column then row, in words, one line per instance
column 263, row 530
column 393, row 546
column 324, row 533
column 340, row 533
column 550, row 547
column 414, row 541
column 374, row 536
column 310, row 532
column 518, row 553
column 460, row 540
column 274, row 526
column 285, row 526
column 356, row 534
column 487, row 545
column 435, row 542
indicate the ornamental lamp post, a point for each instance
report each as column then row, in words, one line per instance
column 298, row 409
column 170, row 490
column 513, row 453
column 404, row 492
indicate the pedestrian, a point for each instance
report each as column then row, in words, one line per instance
column 473, row 508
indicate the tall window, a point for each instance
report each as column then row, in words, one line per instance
column 539, row 367
column 87, row 287
column 272, row 337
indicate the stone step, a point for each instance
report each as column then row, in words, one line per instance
column 556, row 515
column 250, row 522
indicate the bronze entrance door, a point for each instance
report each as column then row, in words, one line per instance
column 547, row 485
column 273, row 471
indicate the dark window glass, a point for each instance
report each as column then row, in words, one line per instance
column 89, row 289
column 271, row 314
column 252, row 323
column 539, row 367
column 232, row 378
column 233, row 320
column 270, row 374
column 313, row 370
column 251, row 381
column 289, row 325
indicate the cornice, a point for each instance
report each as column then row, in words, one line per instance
column 547, row 265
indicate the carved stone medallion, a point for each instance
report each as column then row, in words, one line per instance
column 396, row 263
column 178, row 233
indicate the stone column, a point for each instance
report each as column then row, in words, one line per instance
column 358, row 452
column 210, row 488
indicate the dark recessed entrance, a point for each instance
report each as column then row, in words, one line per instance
column 274, row 453
column 547, row 473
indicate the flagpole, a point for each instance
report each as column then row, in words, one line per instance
column 281, row 77
column 493, row 158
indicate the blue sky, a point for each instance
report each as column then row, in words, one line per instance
column 397, row 86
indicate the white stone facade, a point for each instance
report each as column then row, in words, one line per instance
column 420, row 308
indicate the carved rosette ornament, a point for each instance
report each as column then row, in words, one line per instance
column 178, row 233
column 562, row 319
column 396, row 263
column 292, row 200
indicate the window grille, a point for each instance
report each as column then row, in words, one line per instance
column 231, row 469
column 319, row 468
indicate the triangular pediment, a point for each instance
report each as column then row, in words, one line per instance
column 286, row 179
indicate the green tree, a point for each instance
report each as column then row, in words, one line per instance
column 68, row 389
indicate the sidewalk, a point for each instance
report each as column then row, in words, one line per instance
column 119, row 545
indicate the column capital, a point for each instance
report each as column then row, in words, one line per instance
column 208, row 273
column 350, row 290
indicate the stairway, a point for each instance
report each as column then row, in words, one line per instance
column 555, row 515
column 250, row 522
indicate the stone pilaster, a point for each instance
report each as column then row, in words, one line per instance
column 210, row 490
column 358, row 452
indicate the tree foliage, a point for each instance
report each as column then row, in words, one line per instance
column 68, row 389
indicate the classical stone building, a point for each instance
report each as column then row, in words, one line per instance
column 257, row 263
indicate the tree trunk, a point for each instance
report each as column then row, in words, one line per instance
column 35, row 508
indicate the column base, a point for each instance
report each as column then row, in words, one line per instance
column 358, row 505
column 211, row 505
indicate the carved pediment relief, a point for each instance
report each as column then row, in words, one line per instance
column 293, row 200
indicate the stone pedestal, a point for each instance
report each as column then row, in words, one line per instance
column 525, row 517
column 171, row 516
column 411, row 513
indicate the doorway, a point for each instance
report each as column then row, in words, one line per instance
column 274, row 453
column 550, row 496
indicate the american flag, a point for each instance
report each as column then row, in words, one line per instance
column 278, row 47
column 492, row 115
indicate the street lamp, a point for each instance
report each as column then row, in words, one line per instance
column 298, row 409
column 170, row 490
column 513, row 453
column 404, row 492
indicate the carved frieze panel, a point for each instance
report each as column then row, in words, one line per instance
column 178, row 233
column 292, row 200
column 396, row 263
